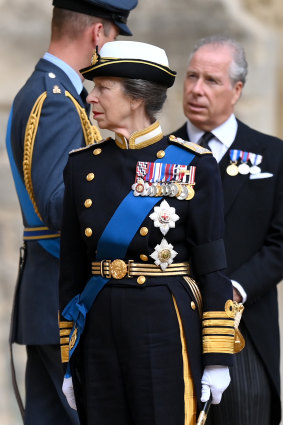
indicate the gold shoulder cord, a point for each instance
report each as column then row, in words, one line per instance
column 30, row 133
column 91, row 135
column 91, row 132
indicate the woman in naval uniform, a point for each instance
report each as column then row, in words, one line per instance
column 142, row 218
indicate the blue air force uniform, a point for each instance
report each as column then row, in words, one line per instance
column 124, row 368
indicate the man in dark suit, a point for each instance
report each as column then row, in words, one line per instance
column 251, row 165
column 49, row 117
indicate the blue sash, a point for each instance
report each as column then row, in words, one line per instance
column 114, row 243
column 50, row 245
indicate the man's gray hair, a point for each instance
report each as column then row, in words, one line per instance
column 239, row 65
column 153, row 95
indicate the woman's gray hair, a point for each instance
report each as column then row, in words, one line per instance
column 239, row 65
column 153, row 95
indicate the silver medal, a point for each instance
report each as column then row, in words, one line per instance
column 184, row 193
column 174, row 190
column 255, row 169
column 244, row 168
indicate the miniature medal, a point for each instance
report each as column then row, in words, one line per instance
column 165, row 189
column 140, row 188
column 173, row 190
column 255, row 160
column 232, row 169
column 164, row 217
column 158, row 190
column 163, row 254
column 255, row 169
column 184, row 193
column 244, row 168
column 191, row 192
column 152, row 190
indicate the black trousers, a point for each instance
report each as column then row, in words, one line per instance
column 247, row 400
column 45, row 402
column 130, row 360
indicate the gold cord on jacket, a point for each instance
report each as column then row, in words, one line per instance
column 91, row 135
column 30, row 134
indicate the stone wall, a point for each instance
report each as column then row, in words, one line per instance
column 175, row 26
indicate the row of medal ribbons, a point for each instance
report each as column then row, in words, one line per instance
column 242, row 162
column 160, row 179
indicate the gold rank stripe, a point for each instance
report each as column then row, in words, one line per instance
column 63, row 324
column 65, row 332
column 218, row 331
column 218, row 322
column 64, row 341
column 218, row 344
column 64, row 353
column 215, row 315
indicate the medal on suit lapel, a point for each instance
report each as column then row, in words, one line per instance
column 244, row 167
column 232, row 169
column 255, row 160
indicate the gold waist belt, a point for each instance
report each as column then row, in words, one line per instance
column 118, row 269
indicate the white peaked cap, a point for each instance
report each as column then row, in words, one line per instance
column 134, row 50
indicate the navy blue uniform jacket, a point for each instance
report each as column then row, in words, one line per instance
column 200, row 224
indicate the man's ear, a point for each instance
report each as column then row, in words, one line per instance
column 238, row 87
column 97, row 34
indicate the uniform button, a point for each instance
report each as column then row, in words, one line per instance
column 88, row 203
column 97, row 151
column 144, row 257
column 141, row 280
column 144, row 231
column 90, row 177
column 193, row 306
column 160, row 154
column 88, row 232
column 51, row 75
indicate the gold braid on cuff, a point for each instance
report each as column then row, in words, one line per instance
column 220, row 330
column 65, row 330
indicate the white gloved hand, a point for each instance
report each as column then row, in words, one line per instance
column 215, row 379
column 68, row 390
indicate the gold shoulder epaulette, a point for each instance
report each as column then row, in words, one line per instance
column 194, row 147
column 88, row 147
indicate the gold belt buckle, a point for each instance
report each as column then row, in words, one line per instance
column 118, row 269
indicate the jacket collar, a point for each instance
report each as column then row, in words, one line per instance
column 140, row 139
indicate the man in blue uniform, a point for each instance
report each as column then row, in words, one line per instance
column 251, row 166
column 48, row 119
